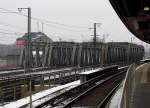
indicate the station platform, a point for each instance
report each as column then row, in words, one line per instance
column 134, row 91
column 140, row 97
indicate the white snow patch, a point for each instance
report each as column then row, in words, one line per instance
column 114, row 103
column 37, row 96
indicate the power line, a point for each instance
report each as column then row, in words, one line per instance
column 48, row 24
column 11, row 31
column 62, row 36
column 18, row 27
column 7, row 39
column 64, row 28
column 46, row 21
column 10, row 25
column 7, row 33
column 70, row 26
column 95, row 32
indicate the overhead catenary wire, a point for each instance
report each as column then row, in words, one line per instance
column 55, row 35
column 11, row 31
column 72, row 28
column 12, row 25
column 67, row 29
column 10, row 38
column 46, row 21
column 8, row 33
column 66, row 37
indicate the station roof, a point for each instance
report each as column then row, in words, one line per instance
column 135, row 16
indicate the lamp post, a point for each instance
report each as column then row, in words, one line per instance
column 28, row 50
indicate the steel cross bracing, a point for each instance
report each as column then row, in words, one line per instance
column 68, row 54
column 63, row 54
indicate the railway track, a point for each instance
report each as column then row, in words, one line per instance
column 19, row 72
column 94, row 96
column 87, row 92
column 10, row 83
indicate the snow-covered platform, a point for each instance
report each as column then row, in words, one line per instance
column 41, row 96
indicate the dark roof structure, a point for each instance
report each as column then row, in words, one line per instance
column 37, row 37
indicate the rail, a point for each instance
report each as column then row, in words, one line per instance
column 72, row 93
column 16, row 71
column 8, row 83
column 107, row 98
column 87, row 92
column 36, row 71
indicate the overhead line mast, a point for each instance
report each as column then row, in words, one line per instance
column 28, row 51
column 94, row 41
column 95, row 32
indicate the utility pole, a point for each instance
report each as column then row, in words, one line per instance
column 28, row 51
column 95, row 35
column 28, row 41
column 95, row 32
column 94, row 42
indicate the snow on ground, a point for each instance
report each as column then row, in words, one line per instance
column 39, row 96
column 91, row 71
column 115, row 101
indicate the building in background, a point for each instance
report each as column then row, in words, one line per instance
column 35, row 37
column 10, row 54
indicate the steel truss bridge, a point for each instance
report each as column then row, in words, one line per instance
column 64, row 54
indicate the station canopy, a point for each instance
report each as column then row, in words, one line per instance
column 135, row 14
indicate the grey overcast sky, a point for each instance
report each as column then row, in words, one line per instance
column 69, row 12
